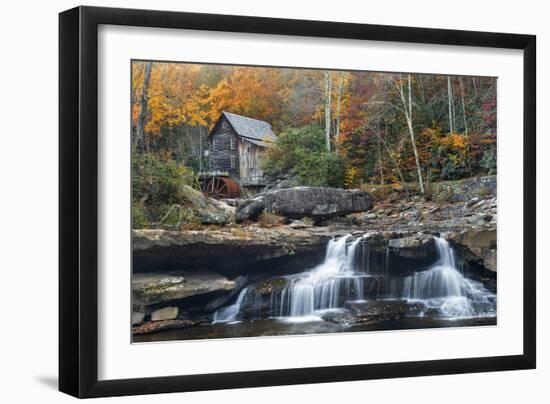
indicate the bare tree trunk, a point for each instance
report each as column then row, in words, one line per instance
column 450, row 96
column 144, row 107
column 463, row 106
column 407, row 109
column 328, row 92
column 475, row 86
column 454, row 107
column 338, row 107
column 465, row 124
column 380, row 154
column 422, row 89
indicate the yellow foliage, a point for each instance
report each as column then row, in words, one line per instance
column 352, row 176
column 456, row 142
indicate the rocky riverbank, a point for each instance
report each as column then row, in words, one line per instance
column 181, row 277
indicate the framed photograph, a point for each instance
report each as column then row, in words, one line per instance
column 251, row 201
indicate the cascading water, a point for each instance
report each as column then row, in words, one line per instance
column 327, row 286
column 231, row 313
column 344, row 274
column 443, row 287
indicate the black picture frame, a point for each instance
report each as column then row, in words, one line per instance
column 78, row 201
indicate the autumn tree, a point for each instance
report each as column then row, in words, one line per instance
column 380, row 127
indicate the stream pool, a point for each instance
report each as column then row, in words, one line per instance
column 281, row 327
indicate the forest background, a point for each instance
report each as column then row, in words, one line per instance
column 346, row 129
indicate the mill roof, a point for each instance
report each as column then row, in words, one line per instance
column 253, row 130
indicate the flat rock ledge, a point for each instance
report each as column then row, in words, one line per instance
column 160, row 287
column 156, row 326
column 225, row 250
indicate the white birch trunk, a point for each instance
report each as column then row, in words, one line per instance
column 407, row 109
column 328, row 92
column 463, row 106
column 449, row 96
column 380, row 156
column 338, row 107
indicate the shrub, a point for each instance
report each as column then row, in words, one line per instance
column 177, row 214
column 489, row 161
column 303, row 151
column 139, row 219
column 453, row 168
column 268, row 219
column 241, row 232
column 156, row 187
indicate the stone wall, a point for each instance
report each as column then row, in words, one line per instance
column 464, row 190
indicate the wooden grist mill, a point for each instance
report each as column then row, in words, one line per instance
column 236, row 146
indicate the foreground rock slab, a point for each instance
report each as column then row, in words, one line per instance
column 156, row 326
column 312, row 202
column 159, row 287
column 228, row 251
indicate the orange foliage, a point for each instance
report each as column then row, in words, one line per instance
column 249, row 91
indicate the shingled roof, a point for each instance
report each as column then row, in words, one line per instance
column 253, row 130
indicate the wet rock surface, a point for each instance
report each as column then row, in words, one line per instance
column 222, row 299
column 156, row 326
column 373, row 311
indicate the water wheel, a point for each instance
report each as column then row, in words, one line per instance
column 220, row 187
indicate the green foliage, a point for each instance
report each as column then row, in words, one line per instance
column 303, row 151
column 452, row 168
column 489, row 161
column 156, row 187
column 139, row 219
column 292, row 145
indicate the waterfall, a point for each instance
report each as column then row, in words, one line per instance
column 344, row 276
column 338, row 280
column 444, row 287
column 230, row 313
column 439, row 281
column 327, row 286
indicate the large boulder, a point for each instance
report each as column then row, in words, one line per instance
column 160, row 287
column 299, row 202
column 209, row 210
column 478, row 245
